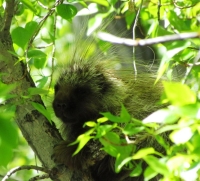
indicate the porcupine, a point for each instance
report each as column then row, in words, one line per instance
column 87, row 87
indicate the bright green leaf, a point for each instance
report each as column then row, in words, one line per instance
column 102, row 120
column 156, row 165
column 143, row 152
column 90, row 124
column 179, row 94
column 113, row 118
column 149, row 173
column 29, row 5
column 181, row 136
column 36, row 91
column 137, row 170
column 82, row 139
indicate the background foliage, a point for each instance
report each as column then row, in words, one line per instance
column 42, row 32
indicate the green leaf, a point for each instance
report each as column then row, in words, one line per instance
column 190, row 110
column 110, row 147
column 137, row 170
column 132, row 129
column 104, row 129
column 42, row 110
column 173, row 49
column 181, row 136
column 19, row 9
column 8, row 135
column 179, row 94
column 31, row 27
column 29, row 5
column 6, row 153
column 7, row 126
column 66, row 11
column 39, row 58
column 124, row 115
column 101, row 2
column 102, row 120
column 143, row 152
column 123, row 156
column 149, row 173
column 162, row 116
column 20, row 36
column 129, row 17
column 157, row 165
column 90, row 124
column 5, row 89
column 113, row 118
column 82, row 139
column 36, row 91
column 41, row 82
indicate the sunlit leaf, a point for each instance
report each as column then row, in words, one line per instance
column 35, row 91
column 179, row 94
column 156, row 165
column 143, row 152
column 181, row 136
column 29, row 5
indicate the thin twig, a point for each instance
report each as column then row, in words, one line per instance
column 134, row 27
column 53, row 49
column 196, row 59
column 159, row 6
column 39, row 177
column 41, row 23
column 26, row 167
column 144, row 42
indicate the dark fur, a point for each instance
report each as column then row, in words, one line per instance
column 84, row 89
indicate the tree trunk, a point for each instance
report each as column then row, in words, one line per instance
column 39, row 133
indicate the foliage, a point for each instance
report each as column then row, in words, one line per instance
column 41, row 31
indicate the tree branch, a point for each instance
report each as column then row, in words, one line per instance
column 144, row 42
column 9, row 12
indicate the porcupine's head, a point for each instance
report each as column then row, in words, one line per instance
column 84, row 89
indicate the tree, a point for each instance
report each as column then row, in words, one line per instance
column 31, row 42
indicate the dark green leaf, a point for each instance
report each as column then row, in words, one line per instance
column 20, row 36
column 39, row 58
column 66, row 11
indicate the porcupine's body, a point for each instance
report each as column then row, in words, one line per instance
column 85, row 88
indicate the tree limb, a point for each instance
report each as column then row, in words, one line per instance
column 144, row 42
column 9, row 12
